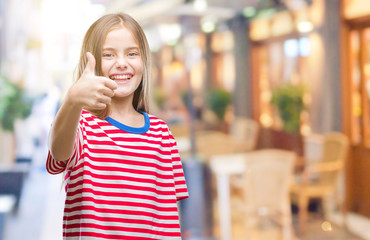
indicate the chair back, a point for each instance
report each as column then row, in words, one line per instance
column 245, row 131
column 335, row 149
column 312, row 148
column 268, row 177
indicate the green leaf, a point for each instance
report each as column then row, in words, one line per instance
column 288, row 99
column 14, row 103
column 218, row 100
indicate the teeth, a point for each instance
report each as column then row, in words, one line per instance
column 121, row 77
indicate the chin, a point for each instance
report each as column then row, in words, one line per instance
column 122, row 94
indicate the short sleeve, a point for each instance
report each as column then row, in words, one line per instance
column 55, row 167
column 178, row 171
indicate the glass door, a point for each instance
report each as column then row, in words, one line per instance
column 360, row 85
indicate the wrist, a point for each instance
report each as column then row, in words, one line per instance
column 72, row 101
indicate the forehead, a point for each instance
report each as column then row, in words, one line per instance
column 122, row 35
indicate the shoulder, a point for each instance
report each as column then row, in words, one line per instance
column 155, row 119
column 88, row 118
column 158, row 122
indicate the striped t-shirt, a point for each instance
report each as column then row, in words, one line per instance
column 122, row 182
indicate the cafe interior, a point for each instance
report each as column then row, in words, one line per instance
column 268, row 100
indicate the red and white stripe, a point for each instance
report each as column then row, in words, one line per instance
column 121, row 185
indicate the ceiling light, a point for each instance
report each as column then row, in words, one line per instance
column 305, row 26
column 249, row 12
column 208, row 24
column 170, row 33
column 200, row 5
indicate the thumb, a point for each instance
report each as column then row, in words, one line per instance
column 90, row 66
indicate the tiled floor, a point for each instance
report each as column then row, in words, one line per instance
column 315, row 231
column 317, row 228
column 40, row 216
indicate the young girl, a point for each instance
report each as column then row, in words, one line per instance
column 122, row 168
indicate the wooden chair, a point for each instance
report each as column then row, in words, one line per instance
column 266, row 184
column 320, row 178
column 312, row 148
column 245, row 133
column 214, row 143
column 242, row 138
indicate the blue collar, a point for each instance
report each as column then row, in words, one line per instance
column 129, row 129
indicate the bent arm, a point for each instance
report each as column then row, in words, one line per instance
column 89, row 91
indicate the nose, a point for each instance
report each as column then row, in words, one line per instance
column 121, row 62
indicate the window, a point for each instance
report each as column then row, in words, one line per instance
column 360, row 85
column 275, row 63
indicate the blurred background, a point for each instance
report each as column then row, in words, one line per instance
column 269, row 101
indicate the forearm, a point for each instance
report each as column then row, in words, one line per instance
column 90, row 91
column 63, row 131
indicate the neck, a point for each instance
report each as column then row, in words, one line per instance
column 122, row 107
column 124, row 112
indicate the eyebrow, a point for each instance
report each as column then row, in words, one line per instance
column 129, row 48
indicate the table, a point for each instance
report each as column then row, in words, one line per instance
column 223, row 166
column 210, row 143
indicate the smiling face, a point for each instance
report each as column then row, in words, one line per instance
column 121, row 61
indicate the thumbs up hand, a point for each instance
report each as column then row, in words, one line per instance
column 94, row 92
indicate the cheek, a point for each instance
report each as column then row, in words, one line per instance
column 139, row 67
column 106, row 66
column 105, row 69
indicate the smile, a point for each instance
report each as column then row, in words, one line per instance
column 121, row 77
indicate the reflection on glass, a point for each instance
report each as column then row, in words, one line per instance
column 360, row 76
column 366, row 75
column 291, row 48
column 304, row 46
column 356, row 87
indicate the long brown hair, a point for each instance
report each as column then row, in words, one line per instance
column 93, row 42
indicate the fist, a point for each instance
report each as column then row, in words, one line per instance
column 91, row 91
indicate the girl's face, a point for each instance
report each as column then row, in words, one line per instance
column 121, row 61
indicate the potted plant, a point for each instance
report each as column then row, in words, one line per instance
column 288, row 99
column 218, row 100
column 14, row 104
